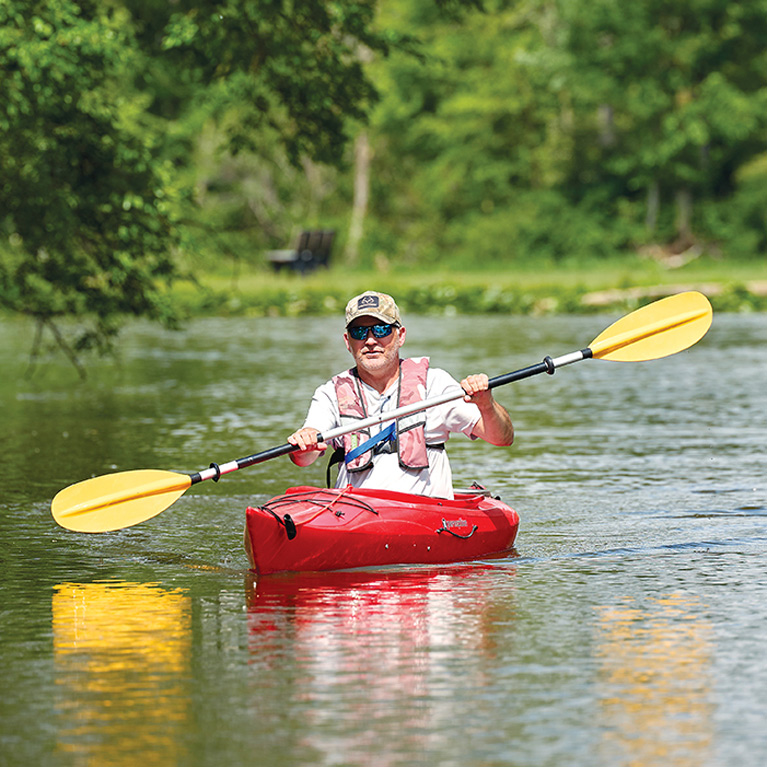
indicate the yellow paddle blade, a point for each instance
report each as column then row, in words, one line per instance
column 657, row 330
column 117, row 500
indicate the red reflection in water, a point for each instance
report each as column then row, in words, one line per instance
column 391, row 638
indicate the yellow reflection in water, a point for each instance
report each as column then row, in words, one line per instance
column 655, row 675
column 121, row 653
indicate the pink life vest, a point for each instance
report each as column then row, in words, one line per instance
column 411, row 436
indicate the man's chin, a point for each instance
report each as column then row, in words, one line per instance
column 373, row 363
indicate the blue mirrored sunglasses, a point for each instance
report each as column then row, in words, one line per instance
column 360, row 332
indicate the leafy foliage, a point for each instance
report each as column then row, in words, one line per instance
column 686, row 85
column 291, row 70
column 102, row 108
column 558, row 130
column 86, row 202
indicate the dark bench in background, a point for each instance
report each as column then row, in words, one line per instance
column 312, row 251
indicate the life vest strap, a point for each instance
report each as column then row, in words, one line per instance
column 385, row 435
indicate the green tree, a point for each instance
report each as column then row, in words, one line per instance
column 269, row 91
column 105, row 108
column 469, row 144
column 670, row 98
column 282, row 87
column 85, row 201
column 265, row 96
column 575, row 128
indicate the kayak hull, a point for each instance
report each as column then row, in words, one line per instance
column 315, row 529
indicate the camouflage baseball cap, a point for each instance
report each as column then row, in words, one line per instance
column 372, row 304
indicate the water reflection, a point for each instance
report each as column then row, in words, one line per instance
column 656, row 686
column 378, row 647
column 121, row 659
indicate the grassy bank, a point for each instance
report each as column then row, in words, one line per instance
column 526, row 289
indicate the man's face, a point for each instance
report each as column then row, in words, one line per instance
column 376, row 356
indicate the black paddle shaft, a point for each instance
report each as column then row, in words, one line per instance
column 548, row 366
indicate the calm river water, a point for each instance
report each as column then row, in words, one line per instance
column 628, row 628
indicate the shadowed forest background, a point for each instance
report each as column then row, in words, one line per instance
column 145, row 142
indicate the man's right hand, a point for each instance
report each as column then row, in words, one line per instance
column 308, row 448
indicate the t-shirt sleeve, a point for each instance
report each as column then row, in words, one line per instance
column 456, row 415
column 323, row 410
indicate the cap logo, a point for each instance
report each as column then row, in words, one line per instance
column 368, row 302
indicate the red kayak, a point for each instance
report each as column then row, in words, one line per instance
column 312, row 529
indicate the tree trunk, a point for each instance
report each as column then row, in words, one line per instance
column 361, row 196
column 684, row 217
column 606, row 126
column 653, row 206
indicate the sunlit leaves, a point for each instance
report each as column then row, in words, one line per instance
column 302, row 79
column 598, row 104
column 84, row 220
column 686, row 82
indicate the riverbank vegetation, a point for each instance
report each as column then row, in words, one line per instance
column 469, row 155
column 616, row 284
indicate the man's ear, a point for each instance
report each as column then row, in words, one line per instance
column 346, row 341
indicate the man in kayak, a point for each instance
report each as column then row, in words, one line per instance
column 409, row 457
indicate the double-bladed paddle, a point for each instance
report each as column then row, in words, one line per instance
column 119, row 500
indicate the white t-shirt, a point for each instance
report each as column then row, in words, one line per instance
column 386, row 473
